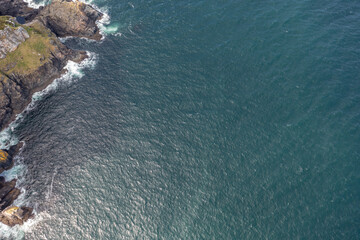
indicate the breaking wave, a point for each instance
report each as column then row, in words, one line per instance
column 8, row 138
column 74, row 71
column 103, row 24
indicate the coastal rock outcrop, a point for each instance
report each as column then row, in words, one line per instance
column 71, row 18
column 11, row 36
column 7, row 157
column 13, row 215
column 31, row 57
column 31, row 67
column 6, row 161
column 9, row 214
column 17, row 8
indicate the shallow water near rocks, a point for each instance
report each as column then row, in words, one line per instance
column 202, row 120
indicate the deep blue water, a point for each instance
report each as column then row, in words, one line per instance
column 211, row 119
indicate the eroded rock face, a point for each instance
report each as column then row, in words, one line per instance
column 16, row 88
column 31, row 69
column 11, row 38
column 17, row 8
column 63, row 18
column 9, row 214
column 7, row 157
column 13, row 215
column 6, row 161
column 71, row 18
column 3, row 156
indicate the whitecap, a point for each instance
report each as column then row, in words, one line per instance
column 8, row 139
column 111, row 29
column 74, row 71
column 18, row 232
column 102, row 23
column 36, row 4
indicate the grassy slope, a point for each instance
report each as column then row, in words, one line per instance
column 31, row 54
column 4, row 22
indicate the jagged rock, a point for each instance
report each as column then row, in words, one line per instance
column 2, row 181
column 13, row 215
column 7, row 157
column 71, row 18
column 38, row 58
column 17, row 8
column 3, row 156
column 5, row 190
column 6, row 161
column 11, row 38
column 16, row 87
column 9, row 198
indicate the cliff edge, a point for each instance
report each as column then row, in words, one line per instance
column 31, row 57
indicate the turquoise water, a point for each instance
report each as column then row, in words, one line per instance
column 203, row 120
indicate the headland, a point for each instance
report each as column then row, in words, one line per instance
column 31, row 57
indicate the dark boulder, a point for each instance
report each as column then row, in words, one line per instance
column 13, row 215
column 68, row 18
column 17, row 8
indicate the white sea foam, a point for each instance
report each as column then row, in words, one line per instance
column 74, row 71
column 8, row 139
column 103, row 23
column 50, row 187
column 36, row 4
column 18, row 232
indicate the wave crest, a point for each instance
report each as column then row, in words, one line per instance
column 8, row 138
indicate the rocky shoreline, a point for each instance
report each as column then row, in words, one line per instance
column 31, row 57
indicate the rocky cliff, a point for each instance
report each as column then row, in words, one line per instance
column 31, row 57
column 71, row 18
column 11, row 36
column 17, row 8
column 29, row 66
column 9, row 214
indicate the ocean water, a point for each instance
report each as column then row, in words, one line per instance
column 199, row 119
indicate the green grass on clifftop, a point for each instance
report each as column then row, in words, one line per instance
column 5, row 21
column 32, row 53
